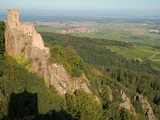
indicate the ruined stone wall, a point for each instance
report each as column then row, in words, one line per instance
column 22, row 39
column 13, row 18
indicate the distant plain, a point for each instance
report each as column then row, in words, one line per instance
column 143, row 34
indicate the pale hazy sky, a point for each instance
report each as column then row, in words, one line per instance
column 145, row 5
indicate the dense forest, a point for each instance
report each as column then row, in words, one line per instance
column 106, row 68
column 108, row 74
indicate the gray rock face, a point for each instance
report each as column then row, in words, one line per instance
column 23, row 40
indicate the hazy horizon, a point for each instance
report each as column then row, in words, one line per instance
column 84, row 13
column 148, row 5
column 80, row 8
column 85, row 7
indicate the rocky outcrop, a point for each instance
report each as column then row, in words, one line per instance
column 149, row 114
column 21, row 39
column 126, row 104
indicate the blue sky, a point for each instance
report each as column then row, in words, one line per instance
column 145, row 5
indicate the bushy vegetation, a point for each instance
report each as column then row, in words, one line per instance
column 107, row 71
column 83, row 106
column 67, row 57
column 105, row 68
column 15, row 78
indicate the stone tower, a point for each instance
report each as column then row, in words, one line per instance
column 13, row 18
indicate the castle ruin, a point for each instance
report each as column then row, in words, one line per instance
column 22, row 39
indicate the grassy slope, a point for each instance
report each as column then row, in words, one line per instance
column 137, row 52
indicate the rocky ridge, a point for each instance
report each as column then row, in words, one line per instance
column 126, row 104
column 149, row 114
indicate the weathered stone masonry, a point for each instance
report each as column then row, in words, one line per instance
column 21, row 39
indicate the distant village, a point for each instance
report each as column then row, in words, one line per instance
column 154, row 31
column 79, row 29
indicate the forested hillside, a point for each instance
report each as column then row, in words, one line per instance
column 115, row 79
column 107, row 68
column 16, row 80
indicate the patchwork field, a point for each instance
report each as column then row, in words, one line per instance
column 144, row 37
column 145, row 33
